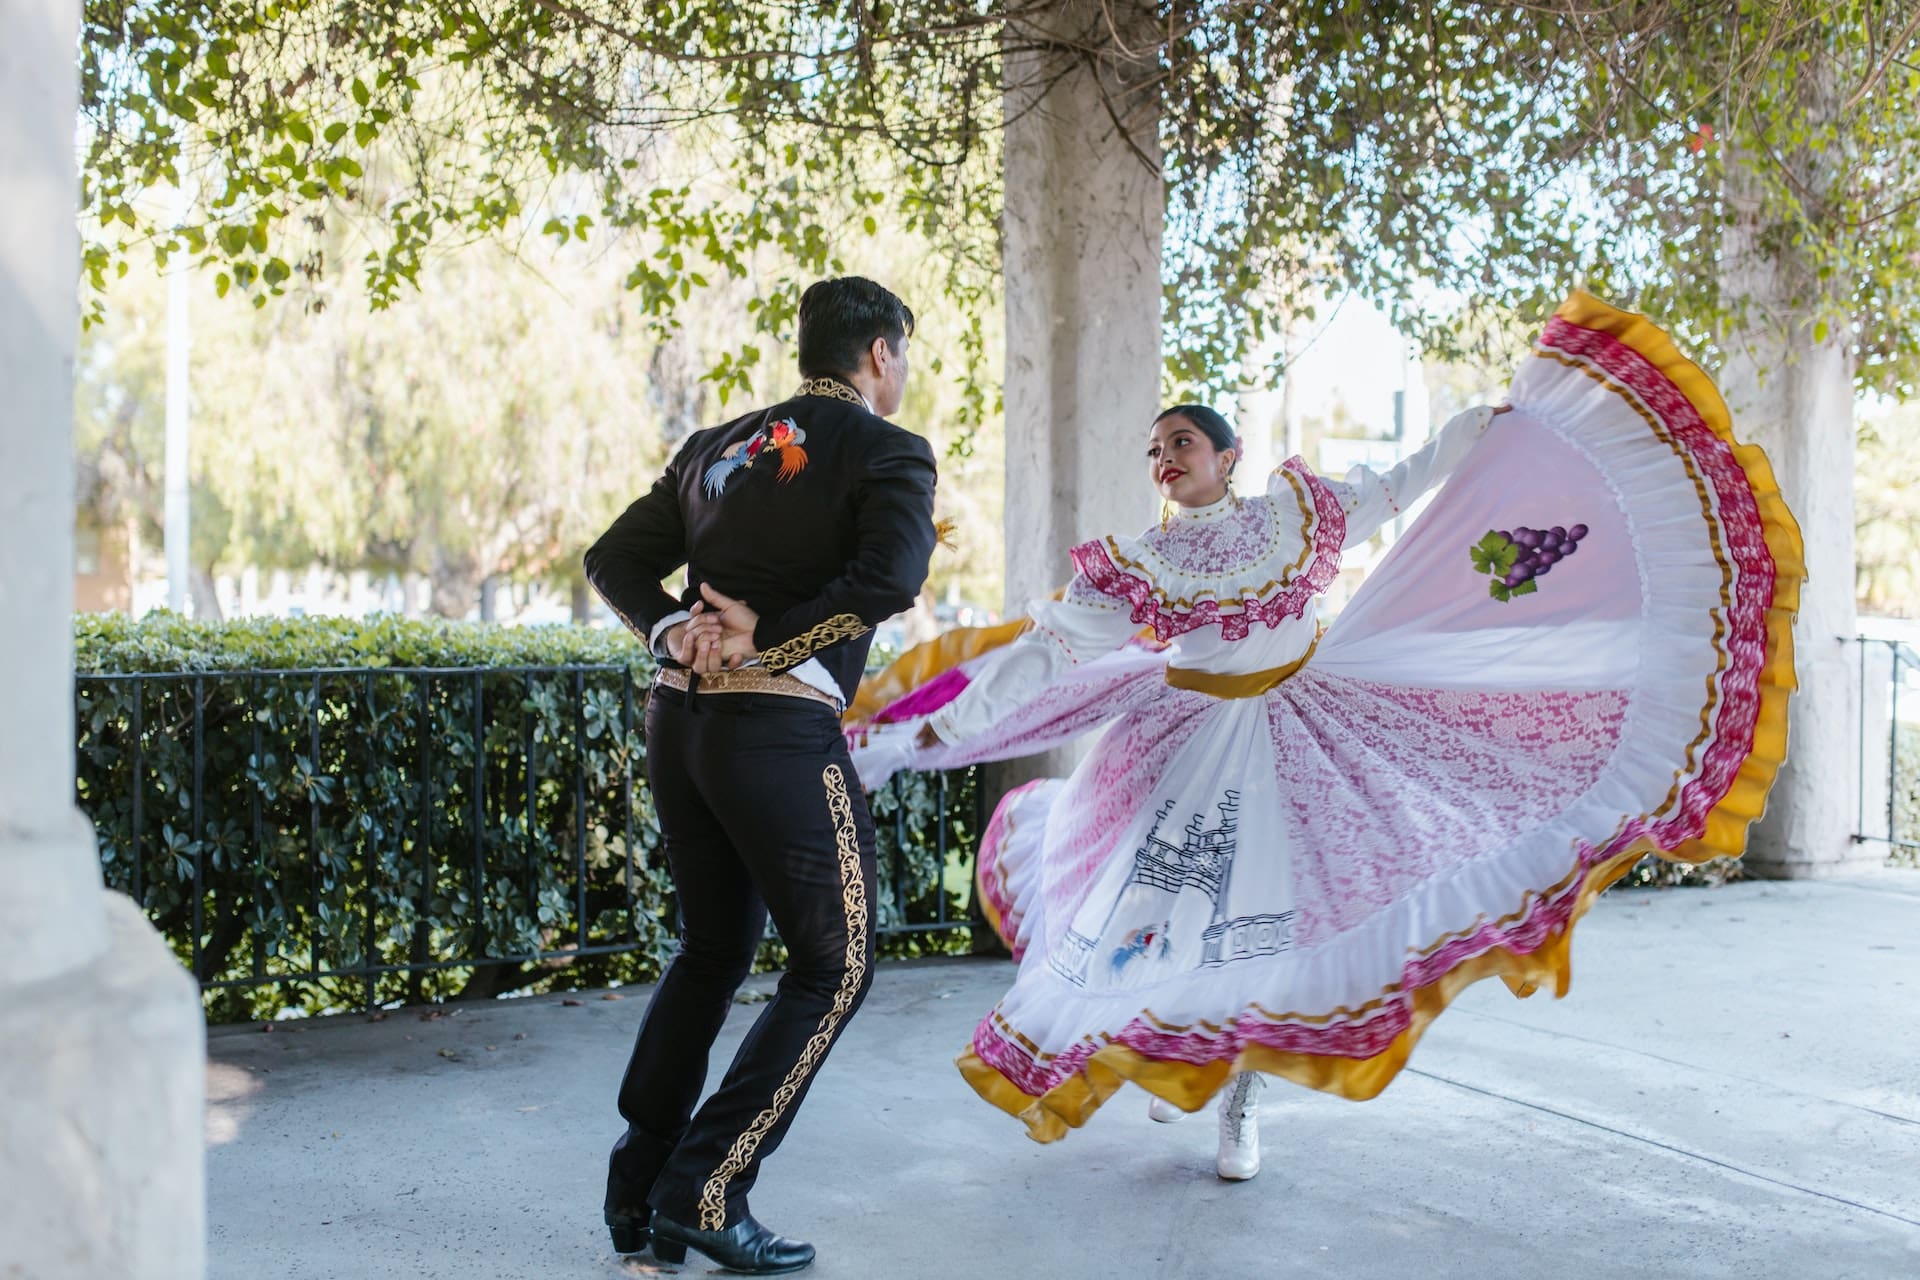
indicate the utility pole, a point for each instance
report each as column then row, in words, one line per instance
column 179, row 345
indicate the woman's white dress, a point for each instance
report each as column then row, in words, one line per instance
column 1288, row 851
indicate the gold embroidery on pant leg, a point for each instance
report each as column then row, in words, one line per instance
column 841, row 626
column 853, row 900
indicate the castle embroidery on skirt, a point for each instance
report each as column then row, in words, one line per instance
column 1162, row 870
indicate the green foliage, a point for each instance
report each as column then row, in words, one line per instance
column 1886, row 470
column 423, row 127
column 484, row 432
column 396, row 793
column 1438, row 158
column 112, row 643
column 1754, row 171
column 927, row 827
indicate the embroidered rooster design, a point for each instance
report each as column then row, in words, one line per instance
column 782, row 440
column 1141, row 943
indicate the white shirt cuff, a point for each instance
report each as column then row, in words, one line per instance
column 661, row 628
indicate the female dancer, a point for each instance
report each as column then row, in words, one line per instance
column 1288, row 852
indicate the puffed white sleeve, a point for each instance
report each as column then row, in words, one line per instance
column 1083, row 624
column 1372, row 498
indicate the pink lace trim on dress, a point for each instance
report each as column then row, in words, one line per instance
column 1325, row 532
column 1743, row 534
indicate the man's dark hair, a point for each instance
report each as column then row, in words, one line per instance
column 840, row 318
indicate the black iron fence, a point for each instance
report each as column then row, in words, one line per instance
column 1888, row 806
column 347, row 837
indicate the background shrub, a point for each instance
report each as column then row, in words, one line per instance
column 410, row 793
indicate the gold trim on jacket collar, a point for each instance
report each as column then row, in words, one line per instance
column 833, row 389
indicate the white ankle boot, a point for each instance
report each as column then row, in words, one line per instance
column 1239, row 1157
column 1158, row 1108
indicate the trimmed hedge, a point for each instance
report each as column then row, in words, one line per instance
column 354, row 810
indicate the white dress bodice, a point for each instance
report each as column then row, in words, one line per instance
column 1229, row 588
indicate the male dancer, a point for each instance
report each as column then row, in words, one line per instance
column 802, row 526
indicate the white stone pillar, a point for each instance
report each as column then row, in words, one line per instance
column 1260, row 416
column 101, row 1037
column 1084, row 212
column 1788, row 381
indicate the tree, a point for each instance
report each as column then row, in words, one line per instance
column 120, row 435
column 483, row 433
column 1794, row 267
column 1887, row 572
column 486, row 431
column 1744, row 170
column 1427, row 156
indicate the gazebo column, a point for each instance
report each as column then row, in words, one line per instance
column 101, row 1034
column 1084, row 210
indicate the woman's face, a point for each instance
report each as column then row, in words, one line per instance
column 1185, row 467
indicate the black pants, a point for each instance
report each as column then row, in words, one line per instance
column 761, row 814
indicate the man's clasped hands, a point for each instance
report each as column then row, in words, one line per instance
column 718, row 637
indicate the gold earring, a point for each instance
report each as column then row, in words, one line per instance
column 1235, row 497
column 1166, row 514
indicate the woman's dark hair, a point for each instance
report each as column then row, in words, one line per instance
column 840, row 318
column 1211, row 424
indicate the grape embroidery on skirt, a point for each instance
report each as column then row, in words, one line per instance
column 1517, row 559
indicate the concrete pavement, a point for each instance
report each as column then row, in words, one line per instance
column 1731, row 1090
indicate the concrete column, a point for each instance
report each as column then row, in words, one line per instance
column 1260, row 417
column 1084, row 211
column 101, row 1037
column 1788, row 380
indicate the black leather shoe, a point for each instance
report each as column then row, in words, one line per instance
column 628, row 1216
column 631, row 1231
column 746, row 1247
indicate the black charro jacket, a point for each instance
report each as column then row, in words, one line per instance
column 815, row 512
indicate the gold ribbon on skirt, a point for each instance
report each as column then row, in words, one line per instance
column 1244, row 684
